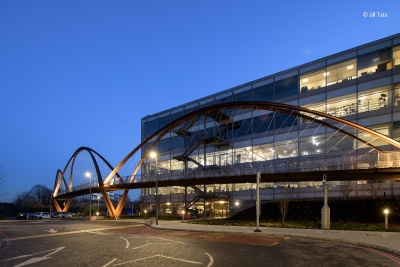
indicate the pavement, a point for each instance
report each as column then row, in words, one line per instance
column 388, row 241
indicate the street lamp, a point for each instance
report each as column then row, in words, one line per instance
column 98, row 200
column 89, row 175
column 386, row 211
column 145, row 212
column 154, row 155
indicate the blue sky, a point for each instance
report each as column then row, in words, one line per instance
column 83, row 73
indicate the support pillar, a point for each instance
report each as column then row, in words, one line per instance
column 325, row 211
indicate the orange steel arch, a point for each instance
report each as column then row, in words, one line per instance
column 114, row 212
column 269, row 106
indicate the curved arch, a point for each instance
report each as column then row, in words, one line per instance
column 271, row 106
column 60, row 178
column 320, row 118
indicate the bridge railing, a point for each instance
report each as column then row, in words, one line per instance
column 298, row 164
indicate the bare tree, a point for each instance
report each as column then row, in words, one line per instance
column 24, row 201
column 2, row 181
column 36, row 199
column 41, row 193
column 374, row 187
column 347, row 187
column 284, row 201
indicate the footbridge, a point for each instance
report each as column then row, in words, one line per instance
column 285, row 143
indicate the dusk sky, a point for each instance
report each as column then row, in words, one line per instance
column 84, row 72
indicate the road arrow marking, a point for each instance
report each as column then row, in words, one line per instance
column 37, row 259
column 52, row 231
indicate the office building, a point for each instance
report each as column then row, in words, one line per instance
column 361, row 84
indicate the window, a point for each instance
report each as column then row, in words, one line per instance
column 284, row 120
column 286, row 87
column 263, row 122
column 336, row 141
column 163, row 121
column 243, row 96
column 264, row 93
column 263, row 152
column 383, row 129
column 373, row 100
column 285, row 149
column 176, row 115
column 396, row 56
column 397, row 94
column 341, row 72
column 312, row 145
column 151, row 127
column 396, row 130
column 312, row 81
column 374, row 62
column 342, row 106
column 223, row 98
column 315, row 106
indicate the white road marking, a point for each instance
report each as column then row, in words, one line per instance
column 73, row 232
column 126, row 240
column 109, row 262
column 166, row 239
column 35, row 259
column 96, row 233
column 161, row 256
column 153, row 244
column 211, row 260
column 52, row 231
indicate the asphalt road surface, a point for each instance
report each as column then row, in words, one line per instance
column 77, row 242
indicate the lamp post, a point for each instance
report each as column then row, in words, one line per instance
column 325, row 211
column 258, row 210
column 154, row 155
column 183, row 215
column 98, row 203
column 89, row 175
column 386, row 211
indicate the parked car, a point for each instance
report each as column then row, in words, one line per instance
column 66, row 215
column 26, row 216
column 56, row 214
column 42, row 215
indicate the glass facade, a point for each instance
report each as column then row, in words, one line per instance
column 364, row 89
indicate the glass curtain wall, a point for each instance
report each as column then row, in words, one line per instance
column 264, row 149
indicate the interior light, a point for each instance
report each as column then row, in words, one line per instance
column 305, row 80
column 326, row 73
column 344, row 101
column 350, row 67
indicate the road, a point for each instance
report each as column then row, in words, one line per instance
column 78, row 242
